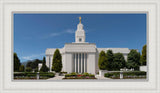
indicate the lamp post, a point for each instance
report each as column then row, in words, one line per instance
column 121, row 73
column 37, row 75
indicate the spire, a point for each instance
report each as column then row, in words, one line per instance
column 80, row 19
column 80, row 33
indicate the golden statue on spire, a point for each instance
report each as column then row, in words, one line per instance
column 80, row 19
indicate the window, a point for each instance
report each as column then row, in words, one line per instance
column 80, row 39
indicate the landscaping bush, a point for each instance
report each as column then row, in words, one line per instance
column 134, row 73
column 32, row 75
column 48, row 74
column 63, row 72
column 73, row 73
column 112, row 74
column 86, row 74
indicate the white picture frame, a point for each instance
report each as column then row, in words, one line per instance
column 151, row 7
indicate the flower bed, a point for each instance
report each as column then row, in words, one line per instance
column 79, row 76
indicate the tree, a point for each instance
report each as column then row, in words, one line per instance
column 102, row 61
column 29, row 64
column 110, row 57
column 33, row 63
column 118, row 61
column 28, row 69
column 57, row 61
column 16, row 63
column 143, row 56
column 21, row 68
column 44, row 68
column 133, row 60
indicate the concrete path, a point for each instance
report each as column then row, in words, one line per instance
column 101, row 77
column 61, row 77
column 56, row 78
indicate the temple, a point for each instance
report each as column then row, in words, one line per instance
column 80, row 56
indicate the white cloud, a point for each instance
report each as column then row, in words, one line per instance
column 54, row 34
column 32, row 56
column 67, row 31
column 70, row 31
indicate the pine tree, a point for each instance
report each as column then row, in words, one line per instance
column 57, row 61
column 143, row 56
column 21, row 68
column 16, row 63
column 102, row 61
column 133, row 60
column 118, row 61
column 44, row 68
column 110, row 58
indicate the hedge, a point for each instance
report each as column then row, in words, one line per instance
column 116, row 74
column 79, row 76
column 31, row 74
column 132, row 73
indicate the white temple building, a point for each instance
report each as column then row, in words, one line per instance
column 80, row 56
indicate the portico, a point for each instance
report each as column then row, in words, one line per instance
column 80, row 62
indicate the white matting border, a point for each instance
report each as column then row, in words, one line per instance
column 120, row 6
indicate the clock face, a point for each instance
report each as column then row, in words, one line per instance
column 80, row 39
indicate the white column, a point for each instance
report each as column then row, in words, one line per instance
column 81, row 63
column 78, row 62
column 84, row 62
column 75, row 63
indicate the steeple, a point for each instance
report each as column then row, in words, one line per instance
column 80, row 33
column 80, row 19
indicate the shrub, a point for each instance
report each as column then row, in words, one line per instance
column 134, row 73
column 63, row 72
column 112, row 74
column 32, row 74
column 73, row 73
column 86, row 74
column 48, row 74
column 79, row 76
column 125, row 74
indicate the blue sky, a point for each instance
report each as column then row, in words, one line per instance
column 34, row 33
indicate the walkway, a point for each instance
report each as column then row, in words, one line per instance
column 101, row 77
column 61, row 77
column 56, row 78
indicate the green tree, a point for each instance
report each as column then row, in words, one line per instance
column 29, row 64
column 143, row 56
column 21, row 68
column 33, row 63
column 44, row 68
column 102, row 61
column 28, row 69
column 133, row 60
column 16, row 63
column 110, row 57
column 57, row 61
column 118, row 61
